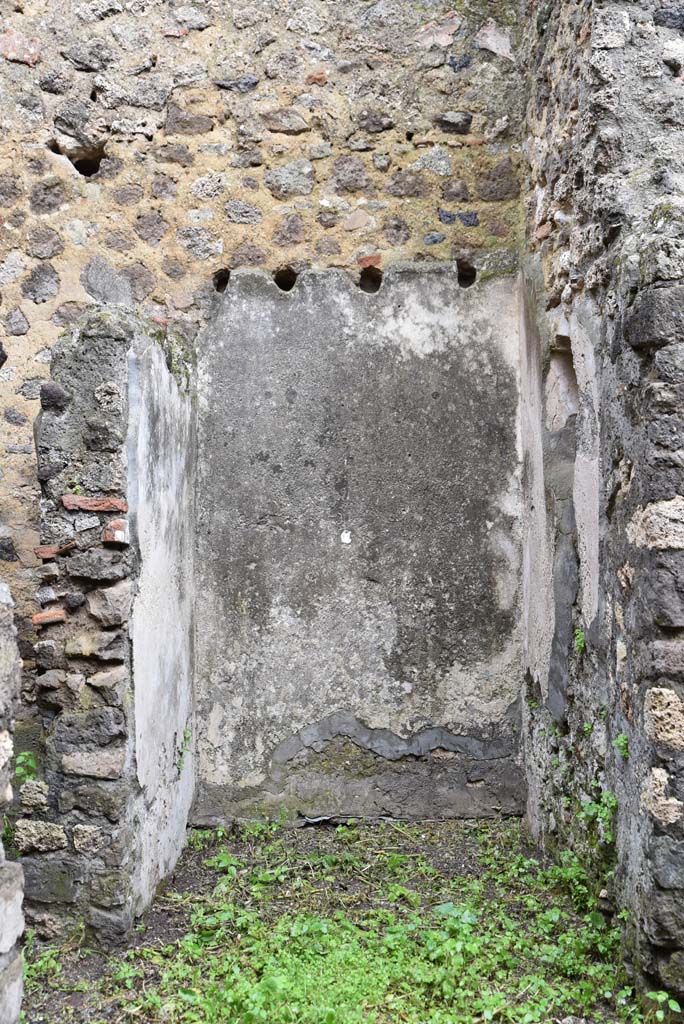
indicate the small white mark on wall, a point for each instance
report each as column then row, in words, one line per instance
column 346, row 537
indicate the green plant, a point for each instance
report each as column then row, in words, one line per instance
column 580, row 642
column 201, row 838
column 183, row 749
column 600, row 812
column 664, row 1002
column 8, row 836
column 39, row 962
column 126, row 974
column 588, row 728
column 25, row 767
column 258, row 830
column 362, row 924
column 621, row 744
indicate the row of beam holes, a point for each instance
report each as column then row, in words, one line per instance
column 370, row 278
column 87, row 163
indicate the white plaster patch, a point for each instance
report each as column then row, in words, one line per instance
column 586, row 497
column 5, row 748
column 562, row 397
column 160, row 487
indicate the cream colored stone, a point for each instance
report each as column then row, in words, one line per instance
column 664, row 717
column 96, row 764
column 5, row 748
column 33, row 796
column 109, row 678
column 111, row 605
column 43, row 836
column 88, row 838
column 666, row 810
column 660, row 525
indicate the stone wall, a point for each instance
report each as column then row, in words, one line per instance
column 107, row 820
column 147, row 147
column 11, row 876
column 359, row 521
column 150, row 149
column 604, row 710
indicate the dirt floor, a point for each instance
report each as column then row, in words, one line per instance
column 425, row 923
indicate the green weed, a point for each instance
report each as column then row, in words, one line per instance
column 621, row 744
column 372, row 924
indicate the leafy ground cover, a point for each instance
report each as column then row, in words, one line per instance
column 449, row 923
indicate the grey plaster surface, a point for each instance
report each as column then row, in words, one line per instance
column 359, row 548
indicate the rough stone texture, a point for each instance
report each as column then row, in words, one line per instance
column 11, row 874
column 122, row 146
column 345, row 596
column 602, row 712
column 114, row 461
column 105, row 144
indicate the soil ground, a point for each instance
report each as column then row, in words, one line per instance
column 427, row 923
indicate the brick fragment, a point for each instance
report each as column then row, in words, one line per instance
column 49, row 617
column 17, row 48
column 72, row 502
column 49, row 551
column 116, row 532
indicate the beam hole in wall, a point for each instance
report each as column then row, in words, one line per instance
column 87, row 162
column 467, row 274
column 370, row 279
column 285, row 278
column 220, row 279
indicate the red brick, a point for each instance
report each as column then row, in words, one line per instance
column 48, row 617
column 375, row 260
column 115, row 532
column 101, row 504
column 17, row 48
column 49, row 551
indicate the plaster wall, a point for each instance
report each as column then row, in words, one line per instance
column 538, row 612
column 359, row 549
column 160, row 488
column 11, row 875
